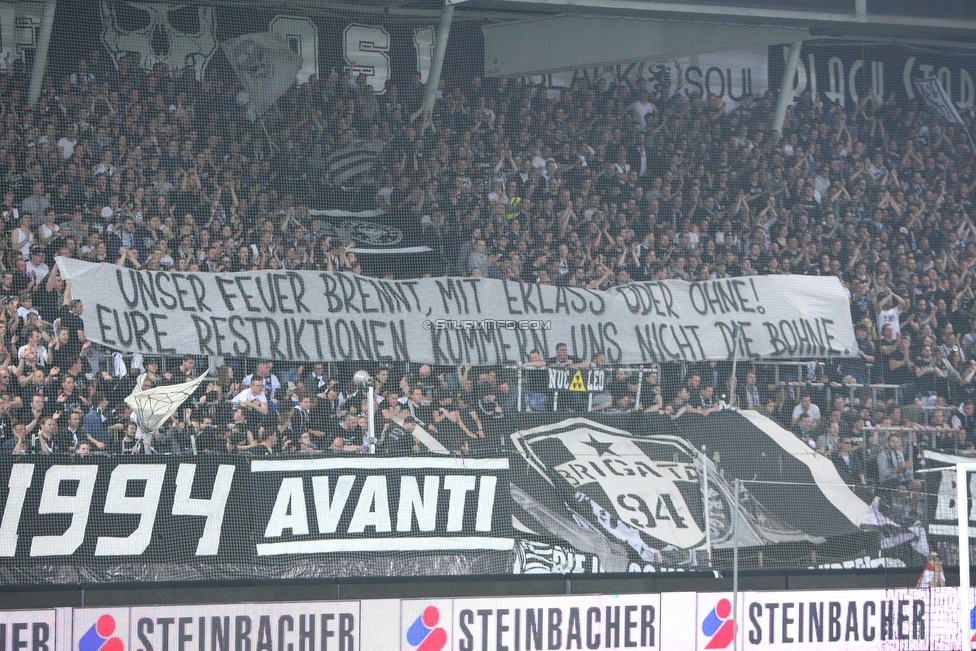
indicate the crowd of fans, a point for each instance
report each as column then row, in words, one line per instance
column 598, row 185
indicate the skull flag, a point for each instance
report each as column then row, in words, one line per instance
column 265, row 64
column 174, row 35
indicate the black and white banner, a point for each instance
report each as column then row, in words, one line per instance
column 608, row 493
column 74, row 520
column 847, row 74
column 385, row 51
column 936, row 99
column 391, row 509
column 730, row 75
column 349, row 165
column 308, row 316
column 369, row 231
column 940, row 487
column 266, row 66
column 594, row 497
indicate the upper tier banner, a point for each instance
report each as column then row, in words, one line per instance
column 309, row 316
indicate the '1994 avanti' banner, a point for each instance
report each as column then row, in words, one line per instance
column 310, row 316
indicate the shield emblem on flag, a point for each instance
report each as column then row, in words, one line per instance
column 648, row 485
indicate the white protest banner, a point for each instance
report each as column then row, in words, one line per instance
column 311, row 316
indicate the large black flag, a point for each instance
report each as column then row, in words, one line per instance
column 369, row 231
column 636, row 494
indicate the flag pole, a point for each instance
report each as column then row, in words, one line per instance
column 266, row 134
column 971, row 143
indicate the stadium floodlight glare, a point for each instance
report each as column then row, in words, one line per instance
column 962, row 511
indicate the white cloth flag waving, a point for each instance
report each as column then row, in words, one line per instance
column 265, row 64
column 153, row 407
column 938, row 100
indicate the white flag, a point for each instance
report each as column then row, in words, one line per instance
column 153, row 407
column 938, row 100
column 265, row 64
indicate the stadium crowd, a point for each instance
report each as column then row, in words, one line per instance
column 597, row 185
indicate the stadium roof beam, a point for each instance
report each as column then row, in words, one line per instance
column 858, row 18
column 407, row 9
column 40, row 58
column 571, row 42
column 440, row 48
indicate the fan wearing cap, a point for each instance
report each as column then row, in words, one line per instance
column 26, row 307
column 292, row 391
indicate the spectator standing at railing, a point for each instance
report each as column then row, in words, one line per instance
column 886, row 346
column 268, row 379
column 679, row 405
column 901, row 367
column 693, row 383
column 933, row 576
column 269, row 444
column 253, row 398
column 706, row 401
column 849, row 466
column 535, row 382
column 47, row 441
column 71, row 319
column 808, row 407
column 749, row 394
column 19, row 443
column 563, row 359
column 857, row 367
column 929, row 374
column 964, row 418
column 955, row 441
column 893, row 468
column 805, row 430
column 93, row 423
column 622, row 387
column 829, row 440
